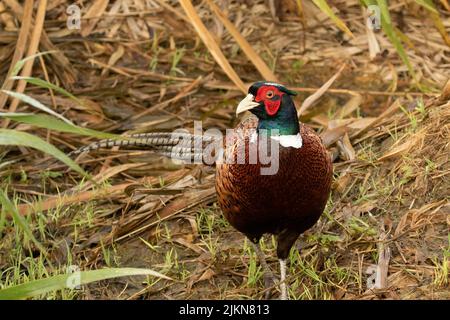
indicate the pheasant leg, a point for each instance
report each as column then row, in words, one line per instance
column 283, row 285
column 269, row 279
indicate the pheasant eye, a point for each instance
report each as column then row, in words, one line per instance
column 269, row 94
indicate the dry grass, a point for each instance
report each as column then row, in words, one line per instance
column 141, row 67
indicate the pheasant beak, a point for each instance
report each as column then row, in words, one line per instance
column 246, row 104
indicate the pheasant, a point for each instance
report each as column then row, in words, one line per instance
column 284, row 201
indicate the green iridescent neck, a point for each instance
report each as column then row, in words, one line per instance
column 277, row 127
column 285, row 121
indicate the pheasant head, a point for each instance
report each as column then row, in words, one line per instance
column 274, row 107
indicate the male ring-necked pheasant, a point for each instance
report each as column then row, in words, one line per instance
column 286, row 202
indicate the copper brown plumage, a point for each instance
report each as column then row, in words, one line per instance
column 286, row 202
column 291, row 199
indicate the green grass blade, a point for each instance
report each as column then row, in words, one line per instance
column 389, row 30
column 36, row 104
column 384, row 9
column 47, row 85
column 18, row 138
column 368, row 2
column 42, row 286
column 19, row 64
column 428, row 4
column 440, row 27
column 2, row 222
column 9, row 207
column 51, row 123
column 323, row 5
column 386, row 24
column 435, row 17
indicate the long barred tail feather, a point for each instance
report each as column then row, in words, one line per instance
column 177, row 145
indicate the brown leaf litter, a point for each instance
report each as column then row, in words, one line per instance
column 140, row 66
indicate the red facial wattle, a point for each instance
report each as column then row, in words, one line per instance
column 271, row 97
column 272, row 106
